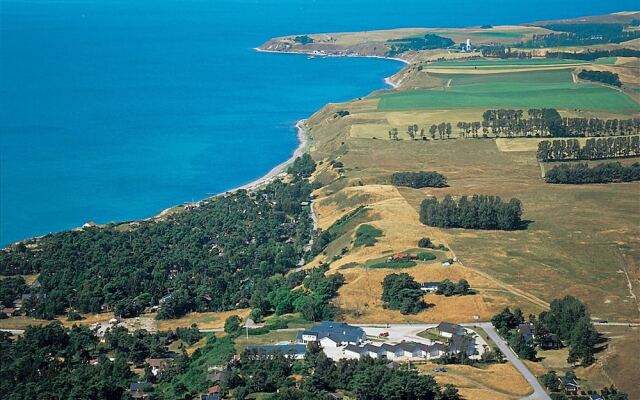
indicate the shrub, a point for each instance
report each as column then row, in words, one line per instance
column 366, row 235
column 419, row 180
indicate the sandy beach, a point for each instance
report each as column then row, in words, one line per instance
column 280, row 168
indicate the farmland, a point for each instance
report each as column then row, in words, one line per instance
column 517, row 90
column 576, row 242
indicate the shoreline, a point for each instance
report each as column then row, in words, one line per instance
column 387, row 80
column 303, row 139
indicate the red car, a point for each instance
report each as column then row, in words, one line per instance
column 384, row 334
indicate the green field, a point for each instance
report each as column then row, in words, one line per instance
column 550, row 89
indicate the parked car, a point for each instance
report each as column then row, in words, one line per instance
column 383, row 334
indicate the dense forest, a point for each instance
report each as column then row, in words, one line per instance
column 601, row 173
column 419, row 179
column 51, row 362
column 402, row 292
column 207, row 258
column 427, row 42
column 606, row 77
column 479, row 212
column 593, row 149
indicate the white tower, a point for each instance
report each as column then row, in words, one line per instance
column 468, row 47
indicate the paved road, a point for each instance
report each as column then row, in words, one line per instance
column 538, row 391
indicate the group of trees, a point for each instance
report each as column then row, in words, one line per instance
column 402, row 292
column 419, row 179
column 568, row 34
column 415, row 132
column 607, row 77
column 591, row 55
column 11, row 288
column 208, row 258
column 601, row 173
column 277, row 296
column 429, row 41
column 545, row 122
column 507, row 322
column 567, row 318
column 593, row 149
column 540, row 122
column 551, row 381
column 570, row 320
column 302, row 166
column 601, row 127
column 363, row 379
column 448, row 288
column 479, row 212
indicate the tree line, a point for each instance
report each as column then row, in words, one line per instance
column 606, row 77
column 593, row 149
column 568, row 34
column 545, row 122
column 415, row 132
column 419, row 179
column 479, row 212
column 591, row 55
column 601, row 173
column 208, row 258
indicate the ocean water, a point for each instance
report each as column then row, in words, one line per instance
column 114, row 110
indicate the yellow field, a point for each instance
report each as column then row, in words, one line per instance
column 494, row 382
column 205, row 320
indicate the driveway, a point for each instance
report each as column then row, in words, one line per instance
column 538, row 391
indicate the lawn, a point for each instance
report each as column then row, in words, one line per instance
column 504, row 94
column 273, row 337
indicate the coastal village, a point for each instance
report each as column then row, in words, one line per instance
column 354, row 265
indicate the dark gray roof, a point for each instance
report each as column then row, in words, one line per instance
column 354, row 348
column 450, row 328
column 429, row 284
column 338, row 331
column 460, row 344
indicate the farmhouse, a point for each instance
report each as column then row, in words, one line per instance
column 527, row 331
column 569, row 385
column 429, row 287
column 445, row 329
column 158, row 365
column 333, row 334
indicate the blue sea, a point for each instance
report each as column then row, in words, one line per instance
column 114, row 110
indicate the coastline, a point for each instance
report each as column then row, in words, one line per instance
column 275, row 172
column 303, row 141
column 387, row 80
